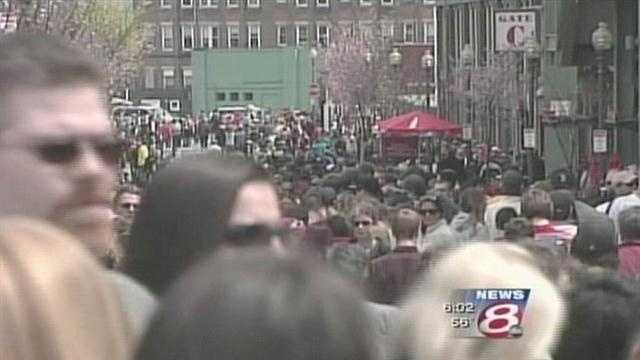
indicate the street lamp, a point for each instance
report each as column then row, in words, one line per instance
column 395, row 59
column 313, row 54
column 532, row 54
column 467, row 55
column 368, row 57
column 601, row 40
column 427, row 65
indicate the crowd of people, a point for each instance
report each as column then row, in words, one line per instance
column 303, row 256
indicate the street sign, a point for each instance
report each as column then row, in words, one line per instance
column 467, row 134
column 512, row 27
column 529, row 139
column 599, row 141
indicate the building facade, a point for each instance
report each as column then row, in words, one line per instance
column 178, row 27
column 567, row 90
column 231, row 78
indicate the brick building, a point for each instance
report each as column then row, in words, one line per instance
column 177, row 27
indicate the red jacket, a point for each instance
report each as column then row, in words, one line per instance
column 629, row 255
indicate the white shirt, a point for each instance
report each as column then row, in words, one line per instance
column 622, row 203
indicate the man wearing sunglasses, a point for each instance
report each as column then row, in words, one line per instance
column 59, row 154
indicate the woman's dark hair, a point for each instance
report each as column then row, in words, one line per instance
column 183, row 216
column 253, row 305
column 603, row 318
column 473, row 201
column 339, row 226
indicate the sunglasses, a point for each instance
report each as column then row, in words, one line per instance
column 429, row 211
column 68, row 151
column 258, row 234
column 129, row 206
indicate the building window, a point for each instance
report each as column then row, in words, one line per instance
column 233, row 36
column 347, row 28
column 174, row 105
column 322, row 3
column 149, row 81
column 209, row 3
column 428, row 32
column 221, row 96
column 187, row 3
column 248, row 96
column 388, row 29
column 281, row 35
column 253, row 4
column 187, row 37
column 409, row 35
column 165, row 4
column 322, row 34
column 166, row 32
column 209, row 36
column 253, row 36
column 302, row 34
column 233, row 3
column 281, row 1
column 234, row 96
column 187, row 77
column 366, row 30
column 386, row 2
column 302, row 3
column 365, row 2
column 168, row 78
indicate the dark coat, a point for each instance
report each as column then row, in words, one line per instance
column 391, row 275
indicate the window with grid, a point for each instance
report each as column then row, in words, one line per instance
column 233, row 3
column 388, row 29
column 386, row 2
column 346, row 28
column 409, row 33
column 209, row 36
column 302, row 3
column 429, row 32
column 322, row 3
column 187, row 37
column 187, row 3
column 209, row 3
column 166, row 33
column 187, row 77
column 253, row 4
column 365, row 2
column 365, row 30
column 166, row 4
column 233, row 36
column 281, row 35
column 322, row 34
column 302, row 34
column 253, row 36
column 168, row 78
column 149, row 80
column 234, row 96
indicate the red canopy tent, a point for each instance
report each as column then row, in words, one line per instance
column 401, row 134
column 418, row 122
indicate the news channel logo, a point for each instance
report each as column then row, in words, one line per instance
column 487, row 313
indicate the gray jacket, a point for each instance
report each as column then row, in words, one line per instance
column 463, row 225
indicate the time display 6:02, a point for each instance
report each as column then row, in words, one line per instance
column 460, row 308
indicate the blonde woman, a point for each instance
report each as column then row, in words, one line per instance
column 55, row 303
column 429, row 333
